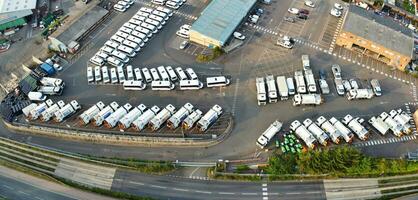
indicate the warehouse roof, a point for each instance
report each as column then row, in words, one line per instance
column 220, row 18
column 378, row 29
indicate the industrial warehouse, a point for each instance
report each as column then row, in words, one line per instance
column 218, row 21
column 377, row 37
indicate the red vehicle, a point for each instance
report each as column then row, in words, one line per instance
column 304, row 11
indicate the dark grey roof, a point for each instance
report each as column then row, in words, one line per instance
column 379, row 29
column 221, row 17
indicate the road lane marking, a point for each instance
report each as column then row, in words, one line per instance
column 39, row 198
column 249, row 193
column 204, row 192
column 21, row 192
column 313, row 192
column 293, row 193
column 264, row 184
column 179, row 189
column 137, row 183
column 230, row 193
column 265, row 193
column 264, row 189
column 8, row 187
column 157, row 186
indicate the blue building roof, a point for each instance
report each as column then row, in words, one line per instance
column 221, row 17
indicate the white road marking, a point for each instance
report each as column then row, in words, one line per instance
column 8, row 187
column 136, row 183
column 204, row 192
column 229, row 193
column 157, row 186
column 179, row 189
column 249, row 193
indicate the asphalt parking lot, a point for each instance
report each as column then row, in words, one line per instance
column 258, row 56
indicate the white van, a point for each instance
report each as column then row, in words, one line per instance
column 139, row 18
column 146, row 9
column 106, row 49
column 135, row 21
column 121, row 34
column 90, row 76
column 161, row 14
column 130, row 2
column 157, row 18
column 172, row 4
column 113, row 76
column 117, row 38
column 138, row 74
column 136, row 40
column 102, row 55
column 183, row 33
column 154, row 22
column 158, row 2
column 165, row 10
column 290, row 86
column 140, row 35
column 112, row 44
column 144, row 31
column 121, row 56
column 125, row 30
column 105, row 73
column 191, row 74
column 121, row 74
column 97, row 61
column 149, row 27
column 124, row 4
column 147, row 75
column 114, row 61
column 155, row 75
column 119, row 7
column 162, row 85
column 181, row 74
column 129, row 25
column 129, row 73
column 171, row 73
column 132, row 45
column 127, row 50
column 97, row 74
column 36, row 96
column 163, row 73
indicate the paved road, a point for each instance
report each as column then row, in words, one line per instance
column 15, row 189
column 163, row 187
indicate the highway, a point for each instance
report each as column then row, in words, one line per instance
column 166, row 187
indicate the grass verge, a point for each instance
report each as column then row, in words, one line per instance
column 28, row 171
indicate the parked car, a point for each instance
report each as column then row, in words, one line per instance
column 239, row 36
column 302, row 16
column 289, row 19
column 304, row 11
column 293, row 10
column 336, row 13
column 354, row 84
column 338, row 6
column 309, row 4
column 346, row 85
column 184, row 44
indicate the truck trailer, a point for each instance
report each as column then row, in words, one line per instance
column 114, row 118
column 306, row 63
column 307, row 99
column 156, row 122
column 345, row 132
column 179, row 116
column 127, row 120
column 268, row 134
column 360, row 94
column 261, row 91
column 395, row 126
column 36, row 112
column 209, row 118
column 310, row 81
column 143, row 119
column 87, row 115
column 48, row 81
column 283, row 87
column 271, row 88
column 379, row 125
column 67, row 111
column 319, row 134
column 49, row 112
column 300, row 82
column 189, row 122
column 26, row 110
column 333, row 132
column 302, row 132
column 103, row 114
column 355, row 125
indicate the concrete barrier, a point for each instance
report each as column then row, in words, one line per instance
column 118, row 139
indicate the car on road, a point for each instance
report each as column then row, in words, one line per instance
column 289, row 19
column 239, row 36
column 338, row 6
column 293, row 10
column 184, row 44
column 304, row 11
column 336, row 13
column 309, row 4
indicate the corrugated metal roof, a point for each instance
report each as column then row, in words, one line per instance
column 380, row 30
column 221, row 17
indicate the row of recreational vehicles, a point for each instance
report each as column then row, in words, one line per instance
column 323, row 131
column 141, row 116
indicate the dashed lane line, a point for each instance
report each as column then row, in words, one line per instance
column 180, row 189
column 228, row 193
